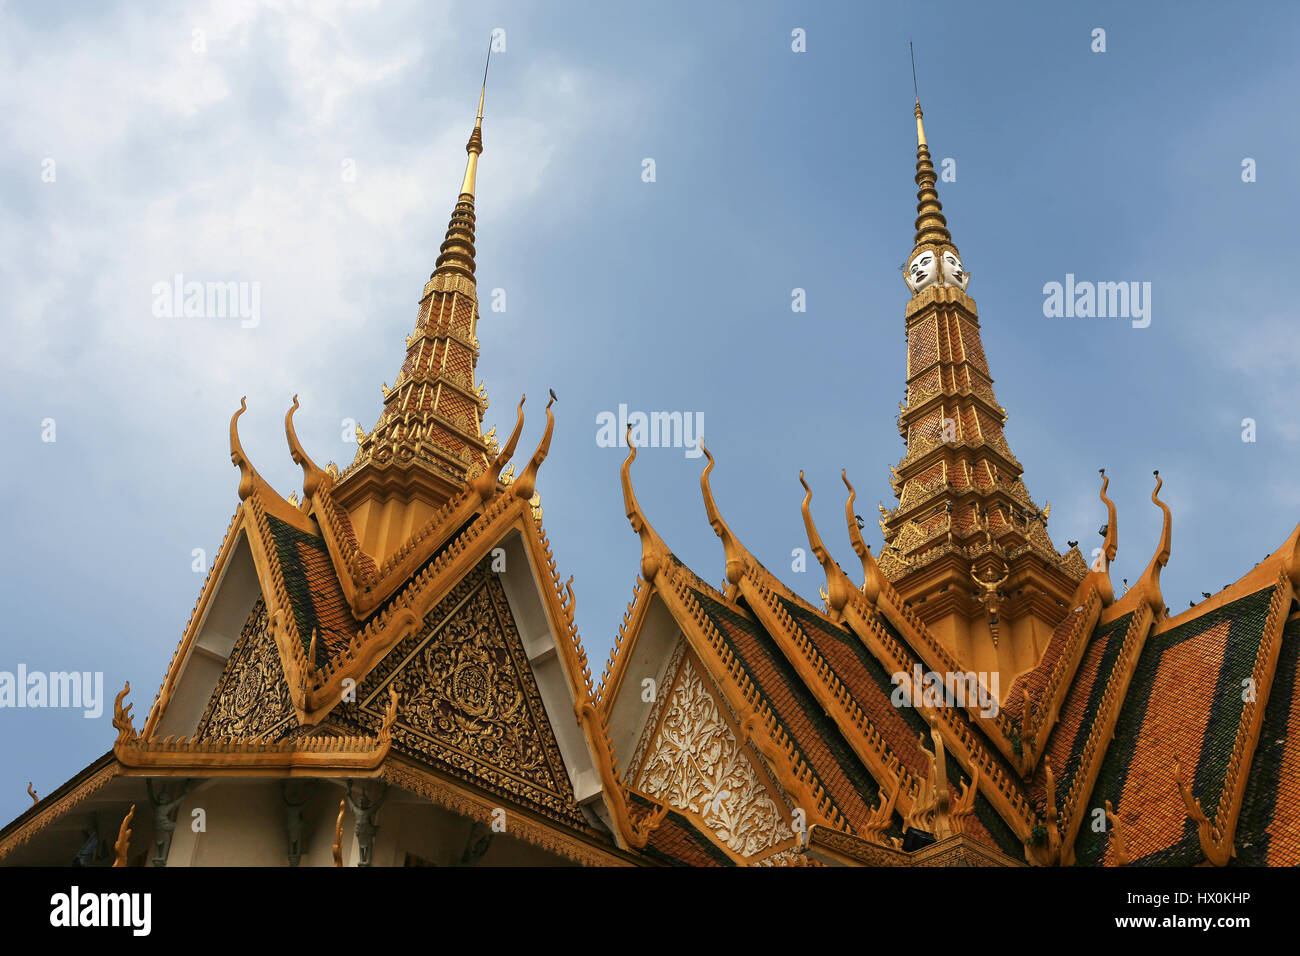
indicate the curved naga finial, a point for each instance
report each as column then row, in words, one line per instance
column 32, row 793
column 653, row 549
column 485, row 485
column 1110, row 546
column 872, row 578
column 313, row 478
column 526, row 483
column 837, row 585
column 735, row 553
column 248, row 476
column 1148, row 586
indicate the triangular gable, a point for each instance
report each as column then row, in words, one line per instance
column 470, row 704
column 691, row 756
column 251, row 699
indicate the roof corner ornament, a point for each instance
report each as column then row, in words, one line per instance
column 122, row 721
column 653, row 550
column 872, row 578
column 734, row 552
column 1098, row 577
column 485, row 484
column 837, row 585
column 1149, row 584
column 248, row 476
column 1110, row 531
column 525, row 484
column 314, row 479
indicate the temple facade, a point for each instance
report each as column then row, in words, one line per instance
column 383, row 669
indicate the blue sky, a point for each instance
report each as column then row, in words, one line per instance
column 775, row 170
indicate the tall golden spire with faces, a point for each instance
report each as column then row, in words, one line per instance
column 431, row 423
column 963, row 509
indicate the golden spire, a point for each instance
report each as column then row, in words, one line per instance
column 456, row 254
column 931, row 227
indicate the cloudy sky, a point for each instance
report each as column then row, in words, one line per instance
column 316, row 151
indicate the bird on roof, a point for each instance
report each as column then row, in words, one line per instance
column 552, row 391
column 1205, row 594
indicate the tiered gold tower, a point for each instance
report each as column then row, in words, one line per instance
column 428, row 439
column 965, row 545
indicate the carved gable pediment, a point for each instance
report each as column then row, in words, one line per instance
column 251, row 699
column 690, row 756
column 469, row 701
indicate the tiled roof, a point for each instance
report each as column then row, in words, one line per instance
column 1268, row 830
column 901, row 727
column 313, row 589
column 1185, row 700
column 1079, row 712
column 866, row 679
column 1033, row 682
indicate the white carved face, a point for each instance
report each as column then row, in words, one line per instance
column 923, row 270
column 953, row 273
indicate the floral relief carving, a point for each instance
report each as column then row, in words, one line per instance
column 469, row 699
column 694, row 762
column 252, row 697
